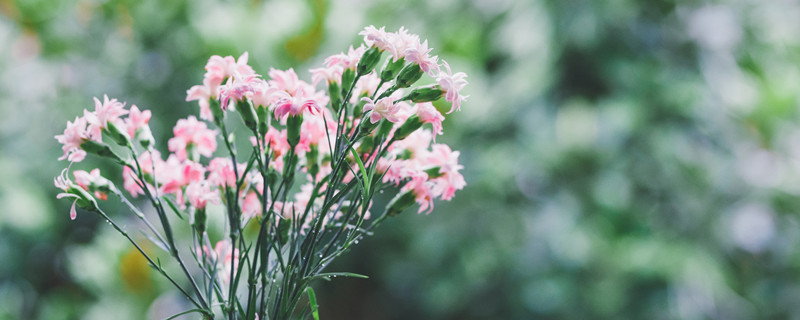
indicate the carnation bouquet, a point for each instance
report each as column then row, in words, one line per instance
column 292, row 198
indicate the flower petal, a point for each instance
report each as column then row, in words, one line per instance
column 72, row 212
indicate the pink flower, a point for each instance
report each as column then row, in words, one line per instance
column 64, row 184
column 383, row 108
column 223, row 258
column 136, row 120
column 190, row 133
column 251, row 206
column 427, row 113
column 379, row 38
column 92, row 179
column 419, row 53
column 312, row 131
column 239, row 89
column 416, row 143
column 347, row 60
column 221, row 172
column 366, row 86
column 402, row 40
column 294, row 106
column 107, row 111
column 422, row 191
column 147, row 161
column 200, row 193
column 285, row 80
column 74, row 135
column 217, row 70
column 202, row 95
column 451, row 84
column 329, row 74
column 451, row 180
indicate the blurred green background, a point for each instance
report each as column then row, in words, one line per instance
column 624, row 159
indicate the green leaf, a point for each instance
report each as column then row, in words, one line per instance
column 329, row 275
column 312, row 300
column 186, row 312
column 364, row 176
column 174, row 208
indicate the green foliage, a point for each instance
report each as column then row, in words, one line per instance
column 624, row 159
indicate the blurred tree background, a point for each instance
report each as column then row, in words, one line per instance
column 624, row 159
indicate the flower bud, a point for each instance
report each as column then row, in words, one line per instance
column 383, row 130
column 412, row 124
column 410, row 74
column 347, row 80
column 400, row 203
column 369, row 60
column 391, row 69
column 263, row 119
column 335, row 94
column 248, row 114
column 199, row 222
column 425, row 94
column 312, row 161
column 293, row 124
column 216, row 111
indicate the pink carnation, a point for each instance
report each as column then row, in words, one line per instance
column 285, row 80
column 200, row 194
column 217, row 70
column 422, row 191
column 251, row 206
column 347, row 60
column 383, row 108
column 136, row 120
column 76, row 133
column 294, row 106
column 107, row 111
column 427, row 113
column 221, row 173
column 86, row 180
column 329, row 74
column 195, row 134
column 374, row 37
column 451, row 180
column 452, row 84
column 402, row 40
column 419, row 53
column 147, row 161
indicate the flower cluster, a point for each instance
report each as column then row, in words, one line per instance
column 358, row 126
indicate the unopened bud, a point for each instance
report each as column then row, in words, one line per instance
column 263, row 119
column 248, row 114
column 369, row 60
column 391, row 69
column 335, row 92
column 410, row 74
column 199, row 222
column 216, row 111
column 400, row 203
column 425, row 94
column 293, row 124
column 347, row 80
column 412, row 124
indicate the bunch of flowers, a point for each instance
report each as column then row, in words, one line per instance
column 317, row 154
